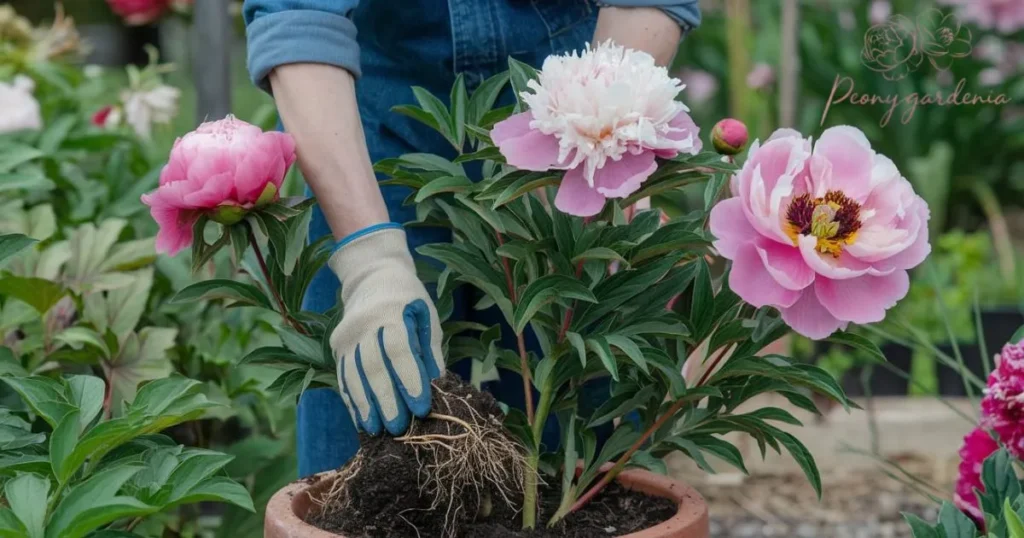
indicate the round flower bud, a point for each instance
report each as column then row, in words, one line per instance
column 729, row 136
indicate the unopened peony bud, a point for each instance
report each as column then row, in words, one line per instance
column 729, row 136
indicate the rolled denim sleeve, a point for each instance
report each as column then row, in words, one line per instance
column 684, row 12
column 282, row 32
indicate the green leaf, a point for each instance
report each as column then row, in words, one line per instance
column 26, row 494
column 691, row 449
column 142, row 357
column 219, row 489
column 45, row 396
column 600, row 346
column 802, row 456
column 79, row 336
column 303, row 346
column 240, row 292
column 956, row 524
column 10, row 525
column 859, row 343
column 703, row 303
column 544, row 290
column 921, row 528
column 417, row 114
column 298, row 231
column 14, row 155
column 630, row 348
column 431, row 162
column 620, row 440
column 619, row 405
column 485, row 96
column 459, row 103
column 1014, row 525
column 275, row 356
column 433, row 106
column 62, row 444
column 11, row 244
column 577, row 342
column 196, row 466
column 725, row 450
column 1018, row 336
column 520, row 73
column 38, row 293
column 490, row 153
column 600, row 253
column 443, row 184
column 713, row 188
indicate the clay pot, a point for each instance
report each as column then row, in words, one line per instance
column 288, row 507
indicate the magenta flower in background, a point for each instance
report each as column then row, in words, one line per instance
column 139, row 12
column 825, row 234
column 603, row 116
column 977, row 446
column 222, row 169
column 1002, row 407
column 1005, row 16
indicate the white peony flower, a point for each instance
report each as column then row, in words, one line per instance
column 605, row 103
column 144, row 108
column 19, row 110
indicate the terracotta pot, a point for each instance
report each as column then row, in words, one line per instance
column 289, row 506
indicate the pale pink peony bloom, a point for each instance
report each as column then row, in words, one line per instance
column 139, row 12
column 1002, row 407
column 977, row 446
column 19, row 110
column 824, row 234
column 1005, row 16
column 603, row 116
column 221, row 169
column 154, row 105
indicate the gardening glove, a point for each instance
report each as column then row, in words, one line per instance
column 388, row 343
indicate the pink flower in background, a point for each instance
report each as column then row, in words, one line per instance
column 700, row 85
column 879, row 11
column 603, row 116
column 825, row 234
column 139, row 12
column 1002, row 407
column 19, row 110
column 221, row 169
column 761, row 77
column 1005, row 16
column 977, row 446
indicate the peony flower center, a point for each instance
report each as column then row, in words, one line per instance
column 833, row 219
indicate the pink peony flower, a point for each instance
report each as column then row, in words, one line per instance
column 761, row 77
column 977, row 446
column 603, row 116
column 221, row 169
column 729, row 136
column 1002, row 407
column 139, row 12
column 101, row 116
column 1006, row 16
column 825, row 235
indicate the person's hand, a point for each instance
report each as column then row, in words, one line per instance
column 388, row 343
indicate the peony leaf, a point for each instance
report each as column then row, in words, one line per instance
column 143, row 357
column 484, row 97
column 433, row 106
column 40, row 294
column 459, row 103
column 520, row 74
column 11, row 244
column 27, row 495
column 417, row 114
column 239, row 292
column 547, row 289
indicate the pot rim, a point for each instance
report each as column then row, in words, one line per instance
column 690, row 521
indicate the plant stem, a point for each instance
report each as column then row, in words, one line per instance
column 524, row 361
column 547, row 396
column 620, row 464
column 567, row 320
column 530, row 491
column 266, row 275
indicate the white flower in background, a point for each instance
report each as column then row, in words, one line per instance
column 145, row 107
column 700, row 85
column 19, row 110
column 93, row 71
column 879, row 11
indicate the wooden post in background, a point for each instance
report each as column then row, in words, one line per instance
column 789, row 63
column 211, row 59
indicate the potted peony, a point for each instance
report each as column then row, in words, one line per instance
column 819, row 236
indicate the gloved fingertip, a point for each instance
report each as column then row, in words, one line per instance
column 400, row 423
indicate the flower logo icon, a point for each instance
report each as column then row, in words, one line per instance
column 892, row 49
column 898, row 46
column 943, row 38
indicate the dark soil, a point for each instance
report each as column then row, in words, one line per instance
column 390, row 496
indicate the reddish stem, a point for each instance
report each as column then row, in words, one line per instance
column 108, row 394
column 624, row 459
column 266, row 275
column 524, row 361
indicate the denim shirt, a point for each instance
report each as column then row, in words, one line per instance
column 324, row 31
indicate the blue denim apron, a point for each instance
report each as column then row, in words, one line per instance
column 424, row 43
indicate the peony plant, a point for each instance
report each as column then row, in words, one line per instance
column 552, row 237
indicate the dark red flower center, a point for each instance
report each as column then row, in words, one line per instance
column 834, row 219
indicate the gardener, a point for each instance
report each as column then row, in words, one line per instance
column 305, row 51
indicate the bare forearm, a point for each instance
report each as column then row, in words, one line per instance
column 642, row 28
column 317, row 103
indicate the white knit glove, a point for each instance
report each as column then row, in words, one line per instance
column 388, row 343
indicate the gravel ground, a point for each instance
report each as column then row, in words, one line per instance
column 861, row 505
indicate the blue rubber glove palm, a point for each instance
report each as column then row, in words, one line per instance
column 388, row 343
